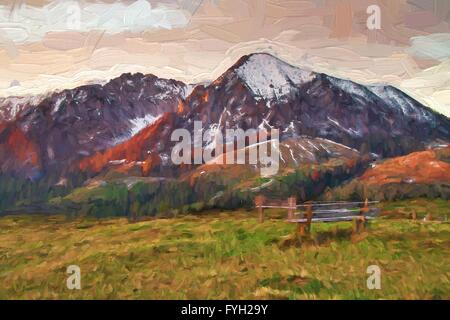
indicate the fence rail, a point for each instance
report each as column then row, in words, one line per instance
column 343, row 203
column 357, row 211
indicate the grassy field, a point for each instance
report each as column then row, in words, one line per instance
column 226, row 256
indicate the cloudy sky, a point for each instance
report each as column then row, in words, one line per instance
column 51, row 45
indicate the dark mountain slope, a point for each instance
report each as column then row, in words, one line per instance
column 76, row 123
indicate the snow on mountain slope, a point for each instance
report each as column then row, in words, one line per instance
column 137, row 125
column 351, row 87
column 10, row 107
column 277, row 81
column 397, row 100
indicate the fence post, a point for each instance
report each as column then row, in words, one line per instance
column 359, row 224
column 259, row 201
column 301, row 229
column 366, row 207
column 292, row 205
column 304, row 228
column 309, row 215
column 360, row 221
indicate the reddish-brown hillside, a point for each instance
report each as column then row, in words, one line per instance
column 15, row 147
column 141, row 148
column 419, row 167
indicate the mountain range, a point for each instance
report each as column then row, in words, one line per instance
column 123, row 128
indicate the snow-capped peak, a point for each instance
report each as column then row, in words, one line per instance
column 269, row 77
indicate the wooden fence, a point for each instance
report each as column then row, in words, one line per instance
column 307, row 213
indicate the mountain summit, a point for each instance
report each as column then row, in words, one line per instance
column 276, row 82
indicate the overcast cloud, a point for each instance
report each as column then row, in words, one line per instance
column 28, row 23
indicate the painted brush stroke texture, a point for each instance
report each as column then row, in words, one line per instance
column 196, row 41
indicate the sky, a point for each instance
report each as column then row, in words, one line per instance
column 53, row 45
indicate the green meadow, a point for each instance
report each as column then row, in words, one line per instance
column 227, row 255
